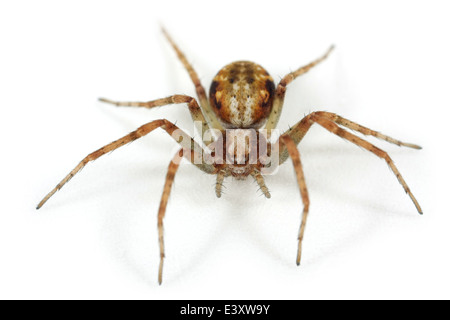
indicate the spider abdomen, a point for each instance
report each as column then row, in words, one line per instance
column 241, row 95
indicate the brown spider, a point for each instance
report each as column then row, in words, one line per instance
column 242, row 99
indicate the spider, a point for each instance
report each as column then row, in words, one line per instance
column 242, row 99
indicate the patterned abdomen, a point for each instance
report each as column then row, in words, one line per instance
column 241, row 95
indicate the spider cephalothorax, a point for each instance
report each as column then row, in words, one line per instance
column 243, row 98
column 243, row 152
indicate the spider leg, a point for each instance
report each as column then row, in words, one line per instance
column 365, row 131
column 194, row 109
column 169, row 127
column 212, row 119
column 295, row 156
column 260, row 180
column 334, row 128
column 280, row 92
column 300, row 129
column 173, row 167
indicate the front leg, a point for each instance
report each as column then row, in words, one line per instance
column 288, row 147
column 180, row 137
column 325, row 120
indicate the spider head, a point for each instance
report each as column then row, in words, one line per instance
column 244, row 151
column 241, row 95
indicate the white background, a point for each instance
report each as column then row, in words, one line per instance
column 97, row 237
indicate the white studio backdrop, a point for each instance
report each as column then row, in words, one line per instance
column 97, row 238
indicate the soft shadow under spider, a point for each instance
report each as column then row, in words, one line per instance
column 243, row 98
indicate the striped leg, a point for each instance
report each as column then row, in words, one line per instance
column 170, row 128
column 365, row 131
column 295, row 156
column 211, row 117
column 324, row 119
column 173, row 167
column 194, row 108
column 334, row 128
column 275, row 114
